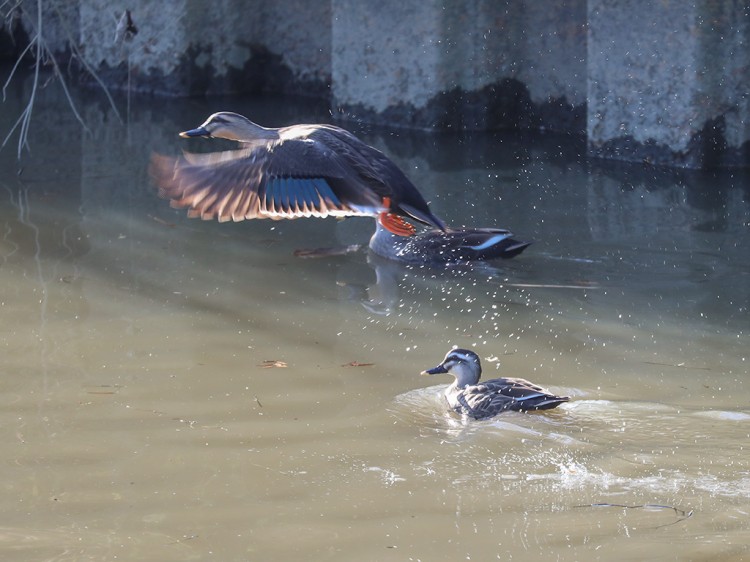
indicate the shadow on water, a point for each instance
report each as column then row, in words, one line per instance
column 137, row 343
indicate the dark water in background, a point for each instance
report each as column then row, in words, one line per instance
column 142, row 421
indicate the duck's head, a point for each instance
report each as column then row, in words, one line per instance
column 462, row 364
column 228, row 125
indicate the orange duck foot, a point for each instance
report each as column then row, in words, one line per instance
column 396, row 225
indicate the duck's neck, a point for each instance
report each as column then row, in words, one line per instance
column 250, row 132
column 466, row 375
column 385, row 243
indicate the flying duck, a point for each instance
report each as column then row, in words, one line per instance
column 287, row 173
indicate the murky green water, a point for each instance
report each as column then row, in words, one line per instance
column 141, row 419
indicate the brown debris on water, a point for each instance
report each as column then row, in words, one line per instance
column 357, row 364
column 273, row 363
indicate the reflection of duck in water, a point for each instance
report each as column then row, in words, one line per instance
column 456, row 252
column 486, row 399
column 287, row 173
column 452, row 246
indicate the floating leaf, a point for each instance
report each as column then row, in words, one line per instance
column 271, row 363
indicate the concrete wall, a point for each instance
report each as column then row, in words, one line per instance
column 187, row 47
column 196, row 47
column 659, row 81
column 672, row 86
column 453, row 64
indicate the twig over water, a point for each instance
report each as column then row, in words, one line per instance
column 681, row 513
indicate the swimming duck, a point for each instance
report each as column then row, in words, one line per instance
column 452, row 246
column 289, row 172
column 486, row 399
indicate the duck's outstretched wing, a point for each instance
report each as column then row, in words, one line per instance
column 283, row 181
column 380, row 174
column 492, row 397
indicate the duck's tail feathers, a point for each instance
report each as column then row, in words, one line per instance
column 514, row 248
column 548, row 402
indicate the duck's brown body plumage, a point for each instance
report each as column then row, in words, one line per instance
column 291, row 172
column 481, row 400
column 487, row 399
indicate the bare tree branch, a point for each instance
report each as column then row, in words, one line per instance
column 43, row 54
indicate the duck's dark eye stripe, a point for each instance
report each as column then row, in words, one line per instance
column 458, row 357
